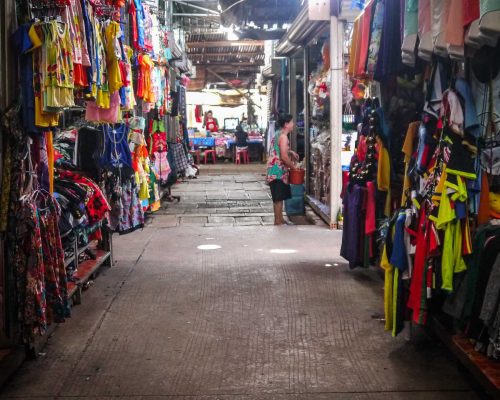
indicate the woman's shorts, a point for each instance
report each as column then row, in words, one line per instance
column 280, row 191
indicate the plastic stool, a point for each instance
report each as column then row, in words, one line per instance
column 208, row 153
column 246, row 157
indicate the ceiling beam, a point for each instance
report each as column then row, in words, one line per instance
column 226, row 43
column 225, row 80
column 234, row 73
column 194, row 15
column 245, row 54
column 232, row 64
column 208, row 10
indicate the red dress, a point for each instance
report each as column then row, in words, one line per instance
column 211, row 125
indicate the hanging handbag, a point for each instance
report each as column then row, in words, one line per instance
column 348, row 118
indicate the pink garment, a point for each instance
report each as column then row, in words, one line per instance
column 452, row 111
column 454, row 27
column 471, row 11
column 95, row 114
column 220, row 141
column 162, row 165
column 362, row 149
column 370, row 225
column 425, row 32
column 440, row 11
column 365, row 39
column 424, row 17
column 438, row 23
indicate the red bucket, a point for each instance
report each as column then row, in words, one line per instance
column 297, row 176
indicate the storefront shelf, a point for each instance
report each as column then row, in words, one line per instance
column 484, row 370
column 85, row 247
column 318, row 209
column 10, row 360
column 473, row 360
column 69, row 260
column 85, row 270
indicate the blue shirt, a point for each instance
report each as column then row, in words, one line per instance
column 399, row 257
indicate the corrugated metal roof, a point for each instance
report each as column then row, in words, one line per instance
column 228, row 52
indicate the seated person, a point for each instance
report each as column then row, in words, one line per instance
column 241, row 138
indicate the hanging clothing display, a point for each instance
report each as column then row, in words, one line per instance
column 77, row 160
column 320, row 137
column 424, row 173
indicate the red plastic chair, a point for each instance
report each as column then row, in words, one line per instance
column 207, row 154
column 242, row 154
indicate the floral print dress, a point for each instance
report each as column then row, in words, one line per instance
column 275, row 167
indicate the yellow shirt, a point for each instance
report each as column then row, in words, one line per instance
column 114, row 76
column 354, row 48
column 384, row 168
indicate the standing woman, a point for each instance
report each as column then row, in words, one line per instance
column 278, row 165
column 210, row 123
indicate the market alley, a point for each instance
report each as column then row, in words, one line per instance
column 257, row 314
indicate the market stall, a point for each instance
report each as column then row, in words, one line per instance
column 96, row 138
column 421, row 198
column 320, row 36
column 225, row 144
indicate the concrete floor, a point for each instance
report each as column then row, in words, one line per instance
column 274, row 313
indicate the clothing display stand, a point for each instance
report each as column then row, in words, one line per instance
column 65, row 194
column 440, row 252
column 85, row 272
column 88, row 270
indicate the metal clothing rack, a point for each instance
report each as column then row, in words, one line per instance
column 103, row 249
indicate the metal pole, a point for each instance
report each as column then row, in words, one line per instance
column 292, row 104
column 336, row 68
column 307, row 139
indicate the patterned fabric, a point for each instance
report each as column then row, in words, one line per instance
column 158, row 142
column 154, row 192
column 376, row 36
column 27, row 261
column 180, row 158
column 15, row 148
column 116, row 154
column 220, row 151
column 132, row 214
column 97, row 206
column 4, row 196
column 162, row 166
column 53, row 258
column 37, row 259
column 275, row 167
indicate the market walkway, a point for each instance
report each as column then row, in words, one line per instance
column 225, row 194
column 271, row 314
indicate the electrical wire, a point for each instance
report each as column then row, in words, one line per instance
column 232, row 5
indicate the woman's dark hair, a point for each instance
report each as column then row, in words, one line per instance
column 284, row 119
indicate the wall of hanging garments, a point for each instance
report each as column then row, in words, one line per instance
column 97, row 137
column 319, row 137
column 426, row 168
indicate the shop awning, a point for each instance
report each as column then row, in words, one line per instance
column 303, row 30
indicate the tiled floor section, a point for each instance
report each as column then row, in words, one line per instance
column 273, row 314
column 225, row 194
